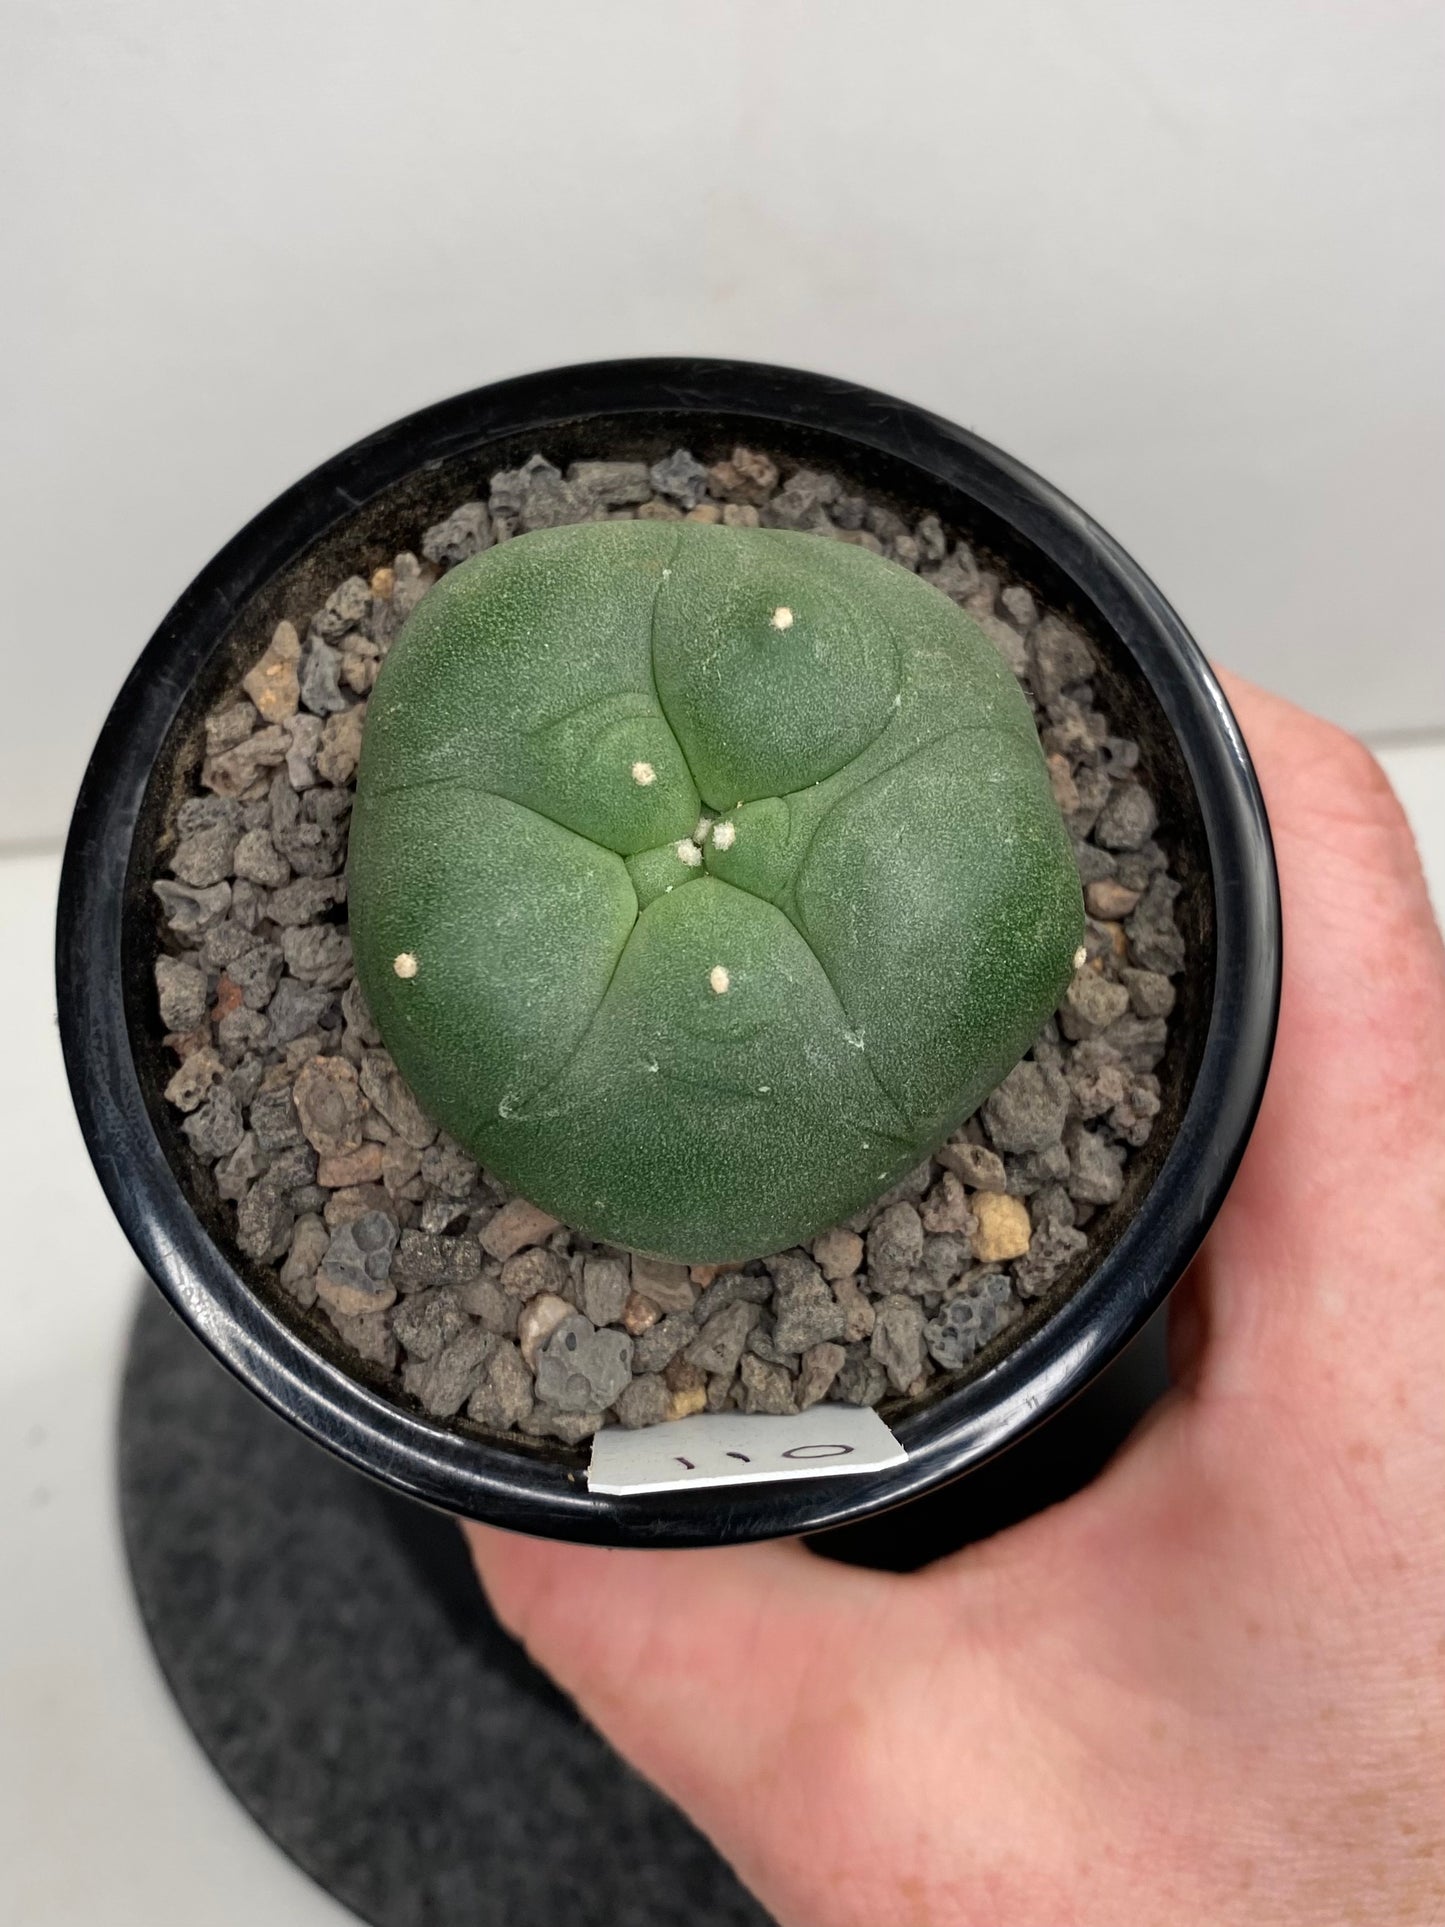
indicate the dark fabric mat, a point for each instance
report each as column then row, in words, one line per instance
column 331, row 1651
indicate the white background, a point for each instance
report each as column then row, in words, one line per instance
column 1185, row 260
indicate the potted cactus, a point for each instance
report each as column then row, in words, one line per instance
column 810, row 915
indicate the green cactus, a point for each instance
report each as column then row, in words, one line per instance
column 703, row 880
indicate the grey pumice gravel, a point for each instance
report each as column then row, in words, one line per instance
column 475, row 1304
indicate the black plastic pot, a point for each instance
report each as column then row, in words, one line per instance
column 376, row 497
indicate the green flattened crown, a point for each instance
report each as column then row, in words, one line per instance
column 702, row 880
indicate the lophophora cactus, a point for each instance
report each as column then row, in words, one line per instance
column 702, row 880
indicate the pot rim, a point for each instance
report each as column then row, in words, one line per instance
column 490, row 1481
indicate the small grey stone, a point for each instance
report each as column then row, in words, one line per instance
column 367, row 1334
column 357, row 1013
column 968, row 1322
column 205, row 812
column 646, row 1401
column 895, row 1245
column 318, row 953
column 358, row 1261
column 215, row 1129
column 241, row 1032
column 347, row 607
column 274, row 1119
column 821, row 1365
column 309, row 1239
column 546, row 1421
column 1150, row 993
column 802, row 501
column 223, row 943
column 295, row 1009
column 886, row 523
column 245, row 1078
column 321, row 690
column 247, row 904
column 182, row 994
column 428, row 1321
column 719, row 1344
column 762, row 1343
column 426, row 1258
column 656, row 1348
column 898, row 1341
column 1140, row 1041
column 602, row 485
column 256, row 973
column 1027, row 1111
column 526, row 1273
column 581, row 1369
column 193, row 1080
column 976, row 1164
column 1090, row 1004
column 233, row 773
column 720, row 1389
column 1019, row 606
column 303, row 900
column 448, row 1168
column 1054, row 1247
column 225, row 728
column 764, row 1387
column 1096, row 1168
column 861, row 1379
column 236, row 1173
column 484, row 1298
column 503, row 1394
column 1095, row 865
column 190, row 912
column 1034, row 1169
column 303, row 740
column 681, row 477
column 945, row 1254
column 957, row 576
column 465, row 532
column 264, row 1217
column 606, row 1287
column 1051, row 1205
column 385, row 1087
column 1128, row 819
column 732, row 1288
column 668, row 1286
column 1058, row 657
column 457, row 1371
column 440, row 1214
column 1132, row 1118
column 932, row 542
column 807, row 1312
column 205, row 858
column 258, row 860
column 1097, row 1077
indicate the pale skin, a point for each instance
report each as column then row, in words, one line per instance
column 1211, row 1687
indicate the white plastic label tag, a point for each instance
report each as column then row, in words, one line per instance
column 735, row 1448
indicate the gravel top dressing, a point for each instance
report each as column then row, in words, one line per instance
column 474, row 1303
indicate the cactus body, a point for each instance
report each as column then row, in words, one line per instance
column 702, row 880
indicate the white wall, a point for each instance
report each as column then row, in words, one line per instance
column 1187, row 261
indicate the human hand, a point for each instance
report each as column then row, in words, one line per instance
column 1209, row 1687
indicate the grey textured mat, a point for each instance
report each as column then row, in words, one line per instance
column 329, row 1648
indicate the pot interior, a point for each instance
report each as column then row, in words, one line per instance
column 362, row 538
